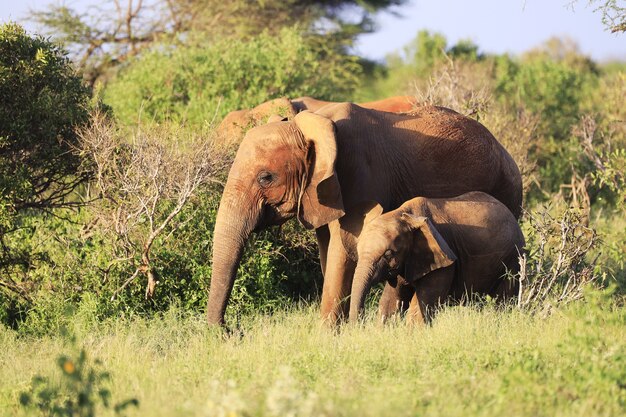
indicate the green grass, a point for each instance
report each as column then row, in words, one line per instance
column 473, row 361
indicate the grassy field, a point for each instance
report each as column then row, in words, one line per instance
column 473, row 361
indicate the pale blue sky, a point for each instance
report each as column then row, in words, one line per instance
column 497, row 26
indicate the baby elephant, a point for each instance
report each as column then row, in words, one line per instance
column 444, row 248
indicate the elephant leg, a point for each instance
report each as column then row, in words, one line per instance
column 415, row 317
column 338, row 275
column 323, row 238
column 395, row 299
column 430, row 291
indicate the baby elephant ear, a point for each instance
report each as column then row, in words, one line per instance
column 429, row 251
column 320, row 201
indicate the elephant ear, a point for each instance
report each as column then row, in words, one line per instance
column 320, row 199
column 429, row 251
column 353, row 222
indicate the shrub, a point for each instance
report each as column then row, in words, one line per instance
column 144, row 185
column 43, row 99
column 560, row 263
column 550, row 88
column 198, row 84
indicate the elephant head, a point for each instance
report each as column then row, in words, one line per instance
column 281, row 170
column 394, row 243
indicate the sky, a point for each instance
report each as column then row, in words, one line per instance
column 497, row 26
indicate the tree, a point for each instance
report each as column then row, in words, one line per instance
column 195, row 84
column 613, row 13
column 43, row 100
column 108, row 34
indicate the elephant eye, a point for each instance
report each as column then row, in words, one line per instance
column 265, row 178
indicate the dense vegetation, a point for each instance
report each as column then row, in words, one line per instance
column 198, row 85
column 108, row 199
column 43, row 101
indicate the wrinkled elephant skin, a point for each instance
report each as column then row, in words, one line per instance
column 236, row 123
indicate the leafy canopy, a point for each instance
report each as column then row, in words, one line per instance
column 200, row 84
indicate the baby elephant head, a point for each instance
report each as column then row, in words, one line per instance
column 395, row 243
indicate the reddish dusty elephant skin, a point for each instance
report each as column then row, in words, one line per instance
column 399, row 104
column 445, row 249
column 319, row 166
column 235, row 124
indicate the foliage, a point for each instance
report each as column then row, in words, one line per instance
column 612, row 176
column 398, row 76
column 43, row 100
column 110, row 33
column 424, row 52
column 199, row 84
column 547, row 87
column 83, row 388
column 613, row 14
column 453, row 86
column 607, row 162
column 413, row 65
column 83, row 270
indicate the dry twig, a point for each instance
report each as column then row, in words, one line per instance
column 557, row 270
column 144, row 184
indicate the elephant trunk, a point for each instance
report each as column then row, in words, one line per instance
column 233, row 226
column 364, row 275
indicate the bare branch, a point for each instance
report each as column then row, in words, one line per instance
column 146, row 183
column 557, row 271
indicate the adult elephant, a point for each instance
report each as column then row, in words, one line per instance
column 321, row 165
column 234, row 125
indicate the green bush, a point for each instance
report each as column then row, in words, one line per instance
column 43, row 99
column 550, row 88
column 199, row 84
column 555, row 90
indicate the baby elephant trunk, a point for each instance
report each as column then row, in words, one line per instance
column 364, row 276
